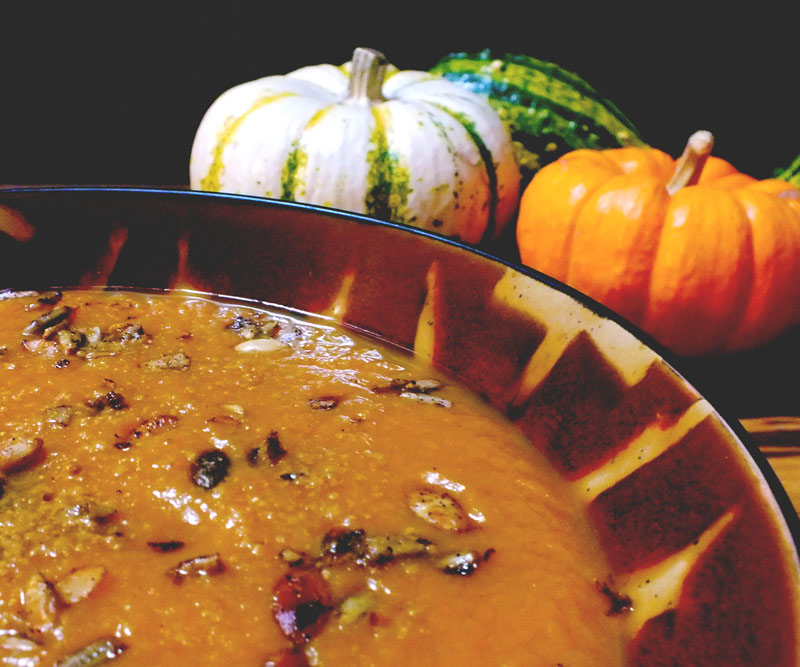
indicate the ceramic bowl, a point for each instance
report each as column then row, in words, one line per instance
column 693, row 521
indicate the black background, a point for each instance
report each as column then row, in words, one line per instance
column 112, row 93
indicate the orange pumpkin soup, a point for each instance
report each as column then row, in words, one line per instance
column 187, row 481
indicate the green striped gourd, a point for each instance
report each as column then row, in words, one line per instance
column 548, row 110
column 404, row 146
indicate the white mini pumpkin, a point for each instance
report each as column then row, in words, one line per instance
column 404, row 146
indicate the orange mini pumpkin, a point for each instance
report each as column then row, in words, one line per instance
column 702, row 257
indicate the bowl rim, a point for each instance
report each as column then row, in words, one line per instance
column 786, row 510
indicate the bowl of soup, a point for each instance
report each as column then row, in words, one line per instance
column 243, row 431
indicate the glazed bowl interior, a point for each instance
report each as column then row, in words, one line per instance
column 680, row 500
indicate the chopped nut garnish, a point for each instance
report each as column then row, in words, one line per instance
column 382, row 549
column 149, row 426
column 250, row 328
column 169, row 362
column 165, row 547
column 111, row 400
column 17, row 644
column 117, row 339
column 438, row 401
column 50, row 298
column 422, row 386
column 302, row 604
column 93, row 514
column 418, row 390
column 39, row 603
column 97, row 653
column 49, row 323
column 260, row 345
column 19, row 453
column 199, row 566
column 354, row 607
column 324, row 402
column 460, row 563
column 439, row 509
column 77, row 585
column 399, row 386
column 293, row 558
column 224, row 420
column 338, row 545
column 70, row 341
column 210, row 468
column 275, row 451
column 60, row 415
column 253, row 456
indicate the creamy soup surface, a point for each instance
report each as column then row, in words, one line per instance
column 191, row 482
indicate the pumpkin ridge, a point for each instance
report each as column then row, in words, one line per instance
column 632, row 211
column 576, row 210
column 298, row 158
column 765, row 315
column 458, row 183
column 491, row 170
column 212, row 181
column 714, row 334
column 389, row 182
column 750, row 251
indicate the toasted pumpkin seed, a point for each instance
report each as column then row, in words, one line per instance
column 356, row 545
column 439, row 509
column 78, row 584
column 60, row 415
column 462, row 563
column 48, row 323
column 97, row 653
column 39, row 603
column 169, row 362
column 354, row 607
column 260, row 345
column 17, row 644
column 18, row 453
column 207, row 565
column 438, row 401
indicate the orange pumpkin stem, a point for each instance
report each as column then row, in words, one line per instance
column 367, row 70
column 690, row 164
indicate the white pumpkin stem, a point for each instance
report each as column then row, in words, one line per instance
column 367, row 69
column 690, row 164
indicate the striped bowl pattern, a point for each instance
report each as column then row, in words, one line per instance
column 698, row 531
